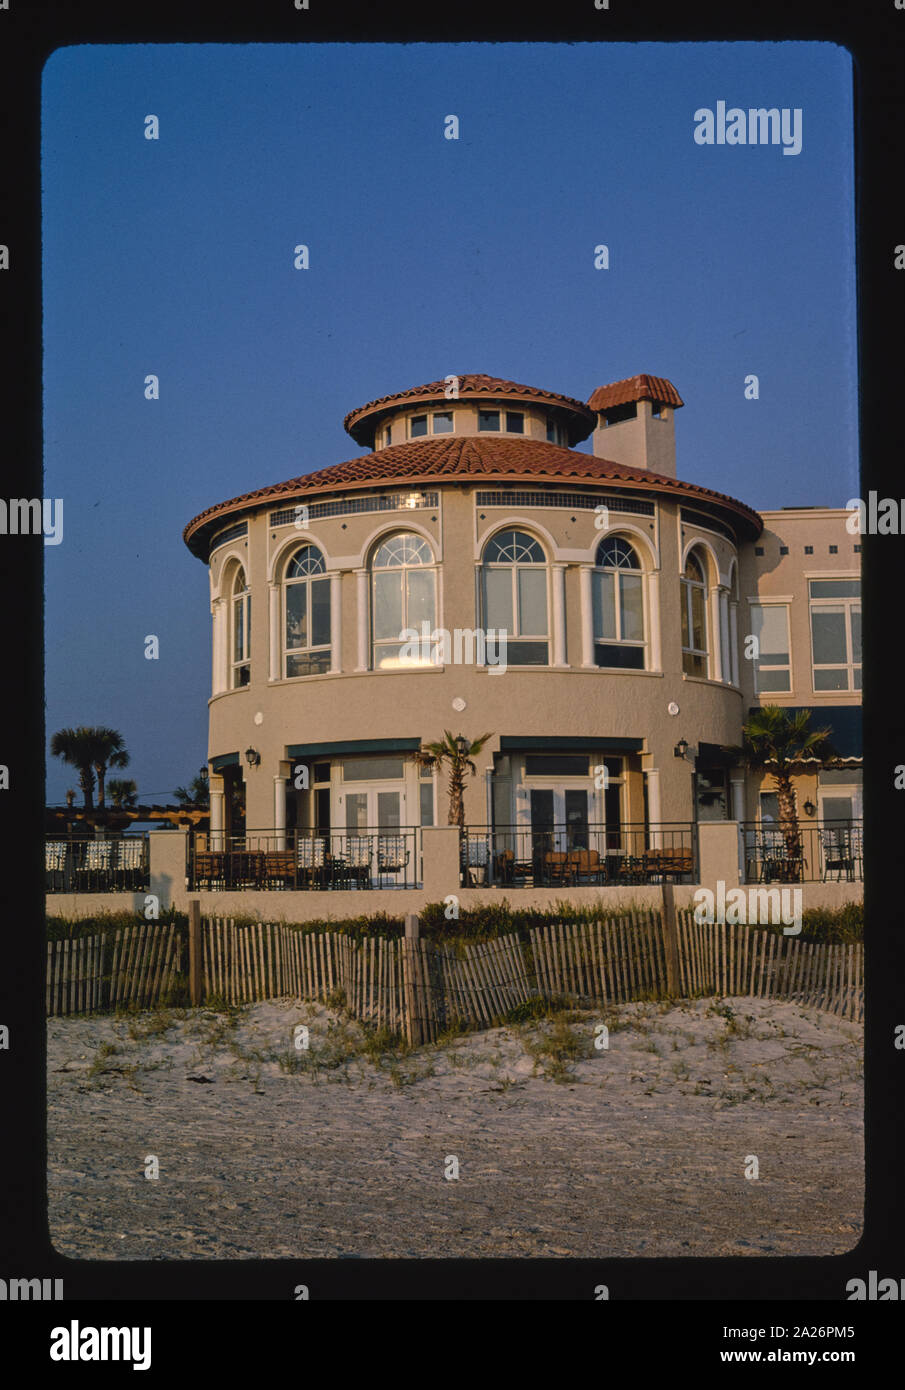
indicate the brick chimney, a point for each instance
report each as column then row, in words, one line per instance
column 635, row 423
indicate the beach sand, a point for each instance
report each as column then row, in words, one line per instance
column 562, row 1149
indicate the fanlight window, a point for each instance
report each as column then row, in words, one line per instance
column 306, row 614
column 240, row 656
column 515, row 596
column 403, row 596
column 618, row 605
column 694, row 618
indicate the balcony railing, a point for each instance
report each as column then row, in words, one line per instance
column 568, row 854
column 801, row 852
column 313, row 860
column 116, row 863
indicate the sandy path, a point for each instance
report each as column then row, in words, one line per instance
column 641, row 1148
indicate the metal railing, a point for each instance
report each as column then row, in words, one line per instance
column 311, row 860
column 567, row 854
column 79, row 864
column 801, row 852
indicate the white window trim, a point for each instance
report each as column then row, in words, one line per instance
column 775, row 603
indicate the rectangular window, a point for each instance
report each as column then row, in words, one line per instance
column 417, row 426
column 387, row 605
column 770, row 625
column 603, row 591
column 372, row 769
column 443, row 422
column 836, row 633
column 556, row 764
column 498, row 599
column 552, row 432
column 488, row 420
column 320, row 612
column 426, row 791
column 515, row 422
column 532, row 602
column 321, row 772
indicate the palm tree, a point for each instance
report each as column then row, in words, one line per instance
column 197, row 793
column 109, row 751
column 77, row 748
column 456, row 755
column 123, row 792
column 779, row 741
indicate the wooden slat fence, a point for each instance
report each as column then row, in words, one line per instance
column 93, row 974
column 421, row 988
column 625, row 959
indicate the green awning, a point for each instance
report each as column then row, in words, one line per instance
column 353, row 745
column 224, row 760
column 560, row 743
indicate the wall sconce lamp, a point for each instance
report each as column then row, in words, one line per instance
column 252, row 757
column 463, row 746
column 203, row 773
column 809, row 807
column 681, row 748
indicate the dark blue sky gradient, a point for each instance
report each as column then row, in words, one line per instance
column 428, row 256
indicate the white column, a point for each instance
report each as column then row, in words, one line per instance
column 559, row 615
column 279, row 811
column 723, row 597
column 737, row 804
column 276, row 655
column 587, row 616
column 733, row 641
column 653, row 613
column 336, row 622
column 217, row 809
column 716, row 658
column 361, row 605
column 221, row 646
column 653, row 805
column 737, row 798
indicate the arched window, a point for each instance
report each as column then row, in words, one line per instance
column 515, row 596
column 403, row 596
column 306, row 614
column 618, row 605
column 240, row 655
column 694, row 617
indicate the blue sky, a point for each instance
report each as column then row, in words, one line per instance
column 428, row 256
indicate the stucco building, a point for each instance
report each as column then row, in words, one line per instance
column 627, row 597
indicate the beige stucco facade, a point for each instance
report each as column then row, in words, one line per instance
column 473, row 480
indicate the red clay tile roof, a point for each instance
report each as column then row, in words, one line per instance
column 635, row 388
column 447, row 458
column 362, row 422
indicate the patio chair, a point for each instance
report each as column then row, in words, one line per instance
column 55, row 863
column 586, row 866
column 392, row 855
column 504, row 866
column 209, row 868
column 474, row 858
column 359, row 853
column 777, row 865
column 279, row 867
column 557, row 866
column 311, row 860
column 130, row 861
column 96, row 864
column 837, row 853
